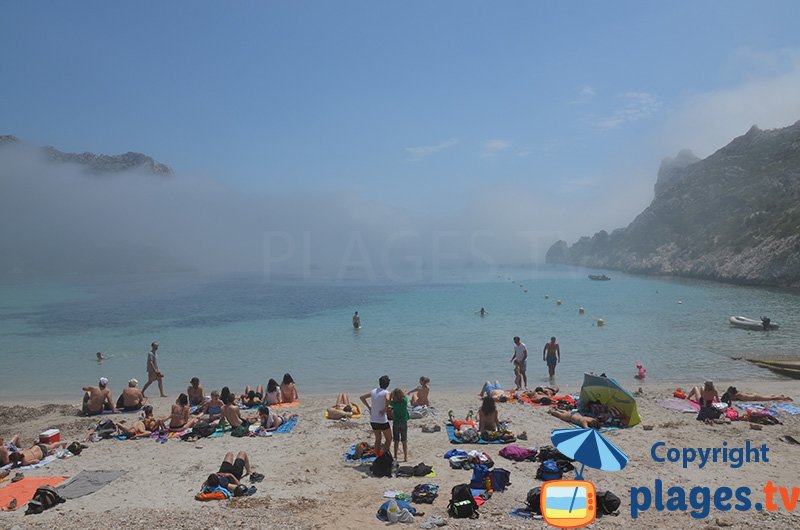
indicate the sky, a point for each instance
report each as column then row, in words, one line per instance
column 549, row 117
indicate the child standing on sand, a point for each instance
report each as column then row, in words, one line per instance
column 419, row 396
column 399, row 405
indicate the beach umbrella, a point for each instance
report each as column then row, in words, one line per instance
column 608, row 392
column 590, row 448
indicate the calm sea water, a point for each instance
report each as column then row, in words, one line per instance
column 243, row 330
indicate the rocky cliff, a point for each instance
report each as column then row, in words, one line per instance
column 734, row 216
column 98, row 164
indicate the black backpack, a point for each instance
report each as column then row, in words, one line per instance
column 425, row 493
column 45, row 498
column 462, row 504
column 607, row 504
column 382, row 466
column 534, row 500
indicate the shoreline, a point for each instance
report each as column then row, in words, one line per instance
column 309, row 486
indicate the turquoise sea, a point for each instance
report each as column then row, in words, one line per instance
column 238, row 330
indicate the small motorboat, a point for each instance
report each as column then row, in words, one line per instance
column 599, row 277
column 754, row 325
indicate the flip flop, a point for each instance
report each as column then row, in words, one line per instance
column 256, row 477
column 789, row 439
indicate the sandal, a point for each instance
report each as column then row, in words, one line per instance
column 17, row 477
column 256, row 477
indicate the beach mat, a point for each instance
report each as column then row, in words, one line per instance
column 87, row 482
column 350, row 456
column 788, row 408
column 451, row 433
column 24, row 489
column 768, row 408
column 287, row 427
column 679, row 405
column 355, row 416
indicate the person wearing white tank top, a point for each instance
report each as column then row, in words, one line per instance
column 379, row 403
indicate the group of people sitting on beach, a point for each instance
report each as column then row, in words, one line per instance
column 220, row 409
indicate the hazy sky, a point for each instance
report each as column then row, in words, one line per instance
column 548, row 116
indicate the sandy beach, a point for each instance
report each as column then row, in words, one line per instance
column 308, row 485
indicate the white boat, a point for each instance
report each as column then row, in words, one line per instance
column 755, row 325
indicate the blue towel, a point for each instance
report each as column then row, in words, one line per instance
column 286, row 427
column 788, row 408
column 521, row 512
column 451, row 433
column 350, row 456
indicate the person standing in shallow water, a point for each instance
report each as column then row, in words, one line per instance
column 520, row 360
column 153, row 372
column 356, row 321
column 552, row 356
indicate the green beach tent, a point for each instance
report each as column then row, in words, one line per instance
column 609, row 393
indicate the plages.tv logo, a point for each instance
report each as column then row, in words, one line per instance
column 573, row 503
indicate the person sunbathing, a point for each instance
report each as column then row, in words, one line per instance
column 195, row 392
column 34, row 455
column 495, row 391
column 706, row 396
column 273, row 396
column 179, row 416
column 487, row 416
column 233, row 416
column 252, row 398
column 230, row 473
column 6, row 448
column 212, row 407
column 462, row 426
column 576, row 418
column 732, row 394
column 151, row 423
column 342, row 409
column 137, row 430
column 289, row 390
column 131, row 397
column 271, row 421
column 96, row 399
column 419, row 395
column 543, row 395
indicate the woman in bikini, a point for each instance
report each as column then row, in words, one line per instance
column 732, row 394
column 289, row 390
column 487, row 416
column 252, row 398
column 495, row 391
column 179, row 417
column 213, row 407
column 575, row 418
column 342, row 409
column 34, row 455
column 706, row 396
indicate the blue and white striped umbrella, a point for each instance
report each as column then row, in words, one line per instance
column 590, row 448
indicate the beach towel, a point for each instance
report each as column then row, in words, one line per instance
column 24, row 489
column 286, row 427
column 788, row 408
column 285, row 405
column 679, row 405
column 421, row 411
column 350, row 456
column 87, row 482
column 522, row 513
column 451, row 433
column 757, row 407
column 356, row 413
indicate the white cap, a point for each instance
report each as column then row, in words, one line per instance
column 103, row 381
column 133, row 383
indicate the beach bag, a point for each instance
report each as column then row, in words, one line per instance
column 462, row 504
column 458, row 461
column 500, row 478
column 607, row 504
column 420, row 470
column 548, row 452
column 517, row 453
column 404, row 471
column 44, row 498
column 549, row 470
column 425, row 493
column 732, row 414
column 203, row 429
column 388, row 508
column 470, row 436
column 708, row 413
column 479, row 475
column 533, row 500
column 106, row 429
column 382, row 466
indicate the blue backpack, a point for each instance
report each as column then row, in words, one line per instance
column 501, row 478
column 549, row 470
column 479, row 474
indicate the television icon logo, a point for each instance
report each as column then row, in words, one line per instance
column 568, row 503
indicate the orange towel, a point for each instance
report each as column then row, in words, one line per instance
column 284, row 405
column 24, row 489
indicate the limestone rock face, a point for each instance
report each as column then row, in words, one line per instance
column 734, row 216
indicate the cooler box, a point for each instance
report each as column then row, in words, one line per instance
column 50, row 436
